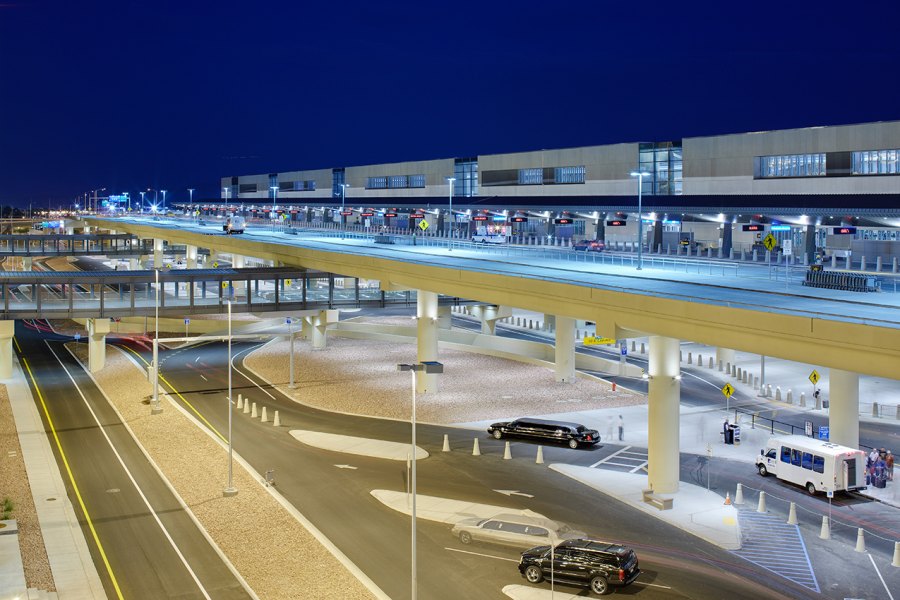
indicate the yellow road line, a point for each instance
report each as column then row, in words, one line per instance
column 62, row 454
column 183, row 399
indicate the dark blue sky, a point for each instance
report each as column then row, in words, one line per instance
column 130, row 95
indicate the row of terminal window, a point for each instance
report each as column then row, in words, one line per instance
column 864, row 162
column 805, row 460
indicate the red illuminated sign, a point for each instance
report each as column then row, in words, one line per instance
column 390, row 215
column 480, row 218
column 843, row 230
column 616, row 223
column 562, row 221
column 519, row 219
column 754, row 227
column 346, row 213
column 366, row 214
column 416, row 216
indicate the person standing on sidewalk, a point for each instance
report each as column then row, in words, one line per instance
column 889, row 464
column 621, row 429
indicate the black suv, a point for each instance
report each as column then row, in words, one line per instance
column 551, row 431
column 586, row 563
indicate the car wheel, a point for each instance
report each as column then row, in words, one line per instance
column 763, row 471
column 573, row 444
column 497, row 434
column 465, row 537
column 811, row 489
column 534, row 574
column 599, row 585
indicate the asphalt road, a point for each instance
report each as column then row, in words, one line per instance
column 150, row 546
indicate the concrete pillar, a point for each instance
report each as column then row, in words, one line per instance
column 663, row 416
column 134, row 264
column 489, row 314
column 237, row 262
column 317, row 327
column 190, row 256
column 565, row 349
column 427, row 338
column 725, row 356
column 726, row 245
column 843, row 413
column 7, row 331
column 27, row 263
column 213, row 259
column 157, row 254
column 444, row 317
column 97, row 330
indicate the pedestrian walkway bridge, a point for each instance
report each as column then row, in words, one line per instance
column 28, row 294
column 59, row 244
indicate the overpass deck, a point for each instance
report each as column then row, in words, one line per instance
column 58, row 244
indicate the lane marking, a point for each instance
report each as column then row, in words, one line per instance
column 890, row 595
column 480, row 554
column 203, row 377
column 656, row 585
column 62, row 454
column 131, row 478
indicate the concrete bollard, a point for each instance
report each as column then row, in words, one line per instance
column 862, row 263
column 825, row 532
column 896, row 561
column 755, row 256
column 540, row 456
column 743, row 256
column 818, row 404
column 761, row 505
column 860, row 540
column 833, row 261
column 768, row 390
column 507, row 455
column 756, row 382
column 746, row 378
column 476, row 450
column 246, row 407
column 875, row 411
column 778, row 393
column 727, row 367
column 240, row 403
column 680, row 356
column 264, row 418
column 446, row 447
column 802, row 400
column 792, row 515
column 711, row 362
column 633, row 345
column 253, row 414
column 577, row 334
column 740, row 373
column 898, row 412
column 276, row 422
column 720, row 365
column 789, row 397
column 739, row 494
column 734, row 370
column 690, row 358
column 642, row 348
column 699, row 360
column 878, row 264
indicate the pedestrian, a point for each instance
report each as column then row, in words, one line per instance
column 889, row 465
column 621, row 428
column 816, row 393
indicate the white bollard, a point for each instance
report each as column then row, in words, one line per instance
column 507, row 455
column 240, row 403
column 727, row 367
column 642, row 348
column 761, row 506
column 253, row 411
column 276, row 422
column 476, row 451
column 711, row 362
column 540, row 456
column 247, row 407
column 690, row 358
column 778, row 393
column 768, row 390
column 699, row 360
column 680, row 356
column 792, row 516
column 825, row 532
column 756, row 382
column 802, row 400
column 265, row 417
column 633, row 345
column 446, row 447
column 896, row 562
column 860, row 540
column 734, row 370
column 746, row 378
column 720, row 365
column 789, row 397
column 739, row 494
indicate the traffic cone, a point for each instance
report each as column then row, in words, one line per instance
column 277, row 421
column 240, row 403
column 792, row 516
column 246, row 407
column 476, row 451
column 896, row 562
column 540, row 456
column 727, row 498
column 265, row 417
column 446, row 447
column 507, row 455
column 739, row 494
column 825, row 533
column 761, row 507
column 860, row 540
column 253, row 411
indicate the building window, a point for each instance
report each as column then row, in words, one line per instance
column 416, row 181
column 465, row 170
column 531, row 176
column 663, row 161
column 876, row 162
column 398, row 181
column 568, row 175
column 308, row 185
column 247, row 188
column 337, row 179
column 792, row 165
column 376, row 183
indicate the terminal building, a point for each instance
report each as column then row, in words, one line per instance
column 808, row 185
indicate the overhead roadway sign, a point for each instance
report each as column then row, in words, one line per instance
column 562, row 221
column 843, row 230
column 416, row 216
column 814, row 377
column 592, row 340
column 617, row 223
column 728, row 390
column 518, row 219
column 753, row 227
column 390, row 215
column 367, row 214
column 346, row 213
column 770, row 242
column 480, row 218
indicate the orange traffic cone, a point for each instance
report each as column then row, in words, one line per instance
column 727, row 499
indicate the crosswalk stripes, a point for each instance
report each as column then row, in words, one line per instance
column 630, row 460
column 769, row 542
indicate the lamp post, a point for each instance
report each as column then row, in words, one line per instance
column 344, row 187
column 430, row 367
column 291, row 336
column 640, row 175
column 274, row 189
column 156, row 407
column 450, row 181
column 142, row 201
column 164, row 201
column 230, row 490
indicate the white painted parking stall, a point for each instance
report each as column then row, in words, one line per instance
column 627, row 459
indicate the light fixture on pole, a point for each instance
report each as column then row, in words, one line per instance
column 344, row 187
column 274, row 189
column 640, row 175
column 164, row 201
column 142, row 201
column 450, row 181
column 432, row 368
column 156, row 408
column 291, row 336
column 230, row 490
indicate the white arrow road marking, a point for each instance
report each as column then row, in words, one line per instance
column 203, row 378
column 346, row 467
column 513, row 493
column 479, row 554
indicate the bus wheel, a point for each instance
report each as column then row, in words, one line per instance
column 763, row 471
column 811, row 489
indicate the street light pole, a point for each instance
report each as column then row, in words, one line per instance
column 142, row 201
column 344, row 187
column 640, row 175
column 291, row 335
column 450, row 180
column 274, row 189
column 230, row 490
column 429, row 367
column 164, row 201
column 156, row 407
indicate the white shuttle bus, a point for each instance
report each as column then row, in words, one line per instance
column 817, row 465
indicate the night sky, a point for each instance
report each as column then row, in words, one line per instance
column 130, row 95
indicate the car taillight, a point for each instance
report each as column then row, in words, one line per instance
column 588, row 438
column 621, row 574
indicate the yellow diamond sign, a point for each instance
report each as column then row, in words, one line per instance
column 423, row 224
column 770, row 242
column 592, row 340
column 728, row 390
column 814, row 377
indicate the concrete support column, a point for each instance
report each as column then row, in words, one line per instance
column 157, row 254
column 843, row 410
column 97, row 330
column 565, row 349
column 27, row 263
column 134, row 264
column 190, row 256
column 724, row 355
column 726, row 246
column 316, row 326
column 444, row 317
column 663, row 415
column 427, row 338
column 213, row 259
column 7, row 331
column 237, row 261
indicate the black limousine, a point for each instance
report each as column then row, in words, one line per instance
column 572, row 434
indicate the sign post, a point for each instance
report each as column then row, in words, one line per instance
column 814, row 379
column 727, row 391
column 186, row 323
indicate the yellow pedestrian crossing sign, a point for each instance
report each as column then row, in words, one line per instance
column 423, row 224
column 216, row 265
column 728, row 390
column 770, row 242
column 592, row 340
column 814, row 377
